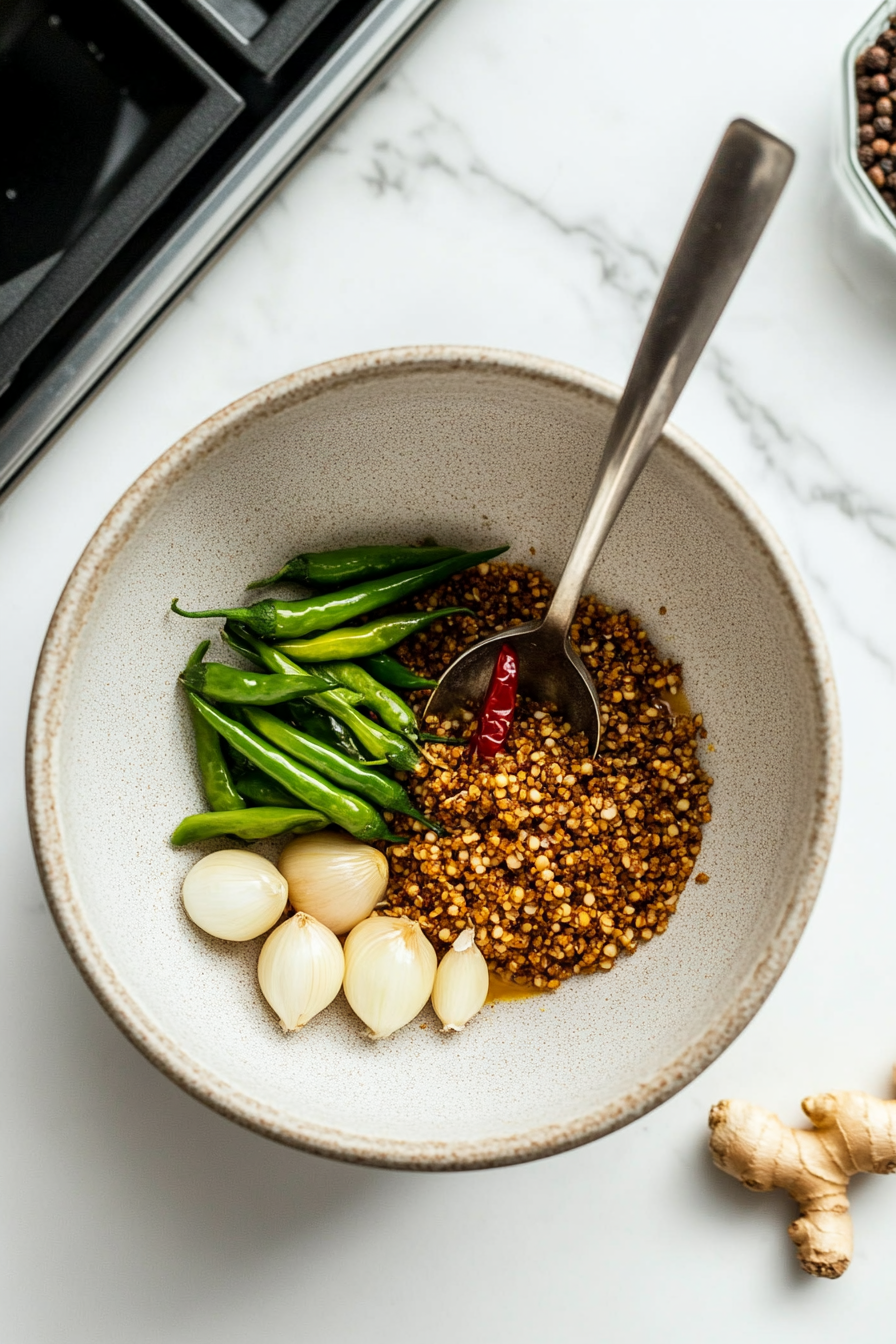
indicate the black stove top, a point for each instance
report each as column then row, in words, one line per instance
column 136, row 138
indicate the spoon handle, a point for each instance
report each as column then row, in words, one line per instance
column 740, row 191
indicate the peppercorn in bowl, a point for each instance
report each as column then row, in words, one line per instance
column 649, row 972
column 863, row 216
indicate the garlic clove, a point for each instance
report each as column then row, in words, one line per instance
column 234, row 894
column 390, row 967
column 461, row 985
column 334, row 878
column 300, row 970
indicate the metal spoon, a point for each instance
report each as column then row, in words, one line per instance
column 740, row 191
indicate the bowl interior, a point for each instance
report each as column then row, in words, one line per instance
column 470, row 450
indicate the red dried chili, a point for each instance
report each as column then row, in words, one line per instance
column 499, row 705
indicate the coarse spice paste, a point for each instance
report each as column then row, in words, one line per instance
column 560, row 861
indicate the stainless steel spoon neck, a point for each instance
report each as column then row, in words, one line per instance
column 740, row 191
column 633, row 435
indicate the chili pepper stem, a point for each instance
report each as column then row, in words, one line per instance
column 198, row 653
column 274, row 578
column 236, row 613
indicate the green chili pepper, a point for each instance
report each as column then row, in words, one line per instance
column 240, row 767
column 218, row 681
column 241, row 639
column 256, row 787
column 360, row 641
column 327, row 728
column 377, row 788
column 253, row 823
column 353, row 814
column 331, row 569
column 283, row 620
column 391, row 672
column 335, row 705
column 217, row 781
column 383, row 746
column 390, row 707
column 380, row 742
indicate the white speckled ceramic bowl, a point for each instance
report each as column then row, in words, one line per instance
column 474, row 446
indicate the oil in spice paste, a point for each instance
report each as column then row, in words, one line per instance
column 506, row 991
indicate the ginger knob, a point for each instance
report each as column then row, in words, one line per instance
column 851, row 1132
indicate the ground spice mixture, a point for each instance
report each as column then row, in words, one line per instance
column 560, row 862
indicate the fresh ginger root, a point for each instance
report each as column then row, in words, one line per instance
column 853, row 1132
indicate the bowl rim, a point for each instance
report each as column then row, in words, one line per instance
column 45, row 719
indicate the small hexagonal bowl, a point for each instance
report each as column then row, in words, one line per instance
column 862, row 225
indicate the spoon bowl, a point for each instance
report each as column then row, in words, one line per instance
column 550, row 671
column 738, row 195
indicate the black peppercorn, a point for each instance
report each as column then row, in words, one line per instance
column 876, row 106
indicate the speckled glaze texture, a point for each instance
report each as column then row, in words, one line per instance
column 471, row 446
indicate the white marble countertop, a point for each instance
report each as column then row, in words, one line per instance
column 520, row 182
